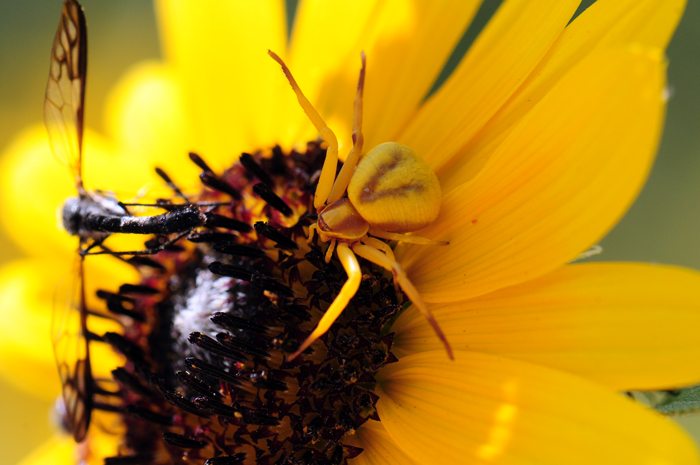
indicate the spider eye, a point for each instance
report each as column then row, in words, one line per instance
column 394, row 189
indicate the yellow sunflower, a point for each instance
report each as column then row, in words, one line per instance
column 541, row 138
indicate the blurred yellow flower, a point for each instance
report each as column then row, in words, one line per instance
column 541, row 138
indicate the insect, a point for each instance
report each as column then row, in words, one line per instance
column 390, row 191
column 91, row 216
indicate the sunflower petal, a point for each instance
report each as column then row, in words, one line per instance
column 605, row 25
column 55, row 450
column 26, row 354
column 560, row 181
column 27, row 162
column 406, row 43
column 628, row 326
column 378, row 447
column 147, row 117
column 504, row 54
column 220, row 50
column 481, row 408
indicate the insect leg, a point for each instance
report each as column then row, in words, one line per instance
column 123, row 206
column 330, row 164
column 95, row 243
column 404, row 237
column 352, row 268
column 358, row 140
column 375, row 256
column 170, row 205
column 152, row 251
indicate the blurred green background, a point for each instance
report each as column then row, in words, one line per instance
column 663, row 225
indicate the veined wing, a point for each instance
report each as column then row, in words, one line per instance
column 72, row 352
column 65, row 91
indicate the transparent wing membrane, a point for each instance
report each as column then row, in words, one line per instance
column 65, row 91
column 71, row 351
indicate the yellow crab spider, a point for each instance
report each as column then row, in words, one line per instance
column 390, row 191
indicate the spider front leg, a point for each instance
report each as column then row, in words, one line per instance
column 348, row 291
column 375, row 256
column 330, row 164
column 358, row 140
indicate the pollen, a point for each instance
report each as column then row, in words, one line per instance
column 207, row 378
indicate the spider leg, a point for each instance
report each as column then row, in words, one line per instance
column 375, row 256
column 325, row 183
column 352, row 268
column 331, row 248
column 404, row 237
column 312, row 230
column 377, row 244
column 343, row 179
column 384, row 247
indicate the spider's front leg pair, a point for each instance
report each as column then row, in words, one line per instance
column 391, row 191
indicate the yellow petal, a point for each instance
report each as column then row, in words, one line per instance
column 30, row 293
column 559, row 182
column 499, row 61
column 323, row 57
column 481, row 408
column 606, row 24
column 628, row 326
column 26, row 303
column 378, row 447
column 33, row 187
column 54, row 451
column 220, row 50
column 406, row 43
column 64, row 451
column 147, row 118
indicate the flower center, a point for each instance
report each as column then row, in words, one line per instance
column 206, row 378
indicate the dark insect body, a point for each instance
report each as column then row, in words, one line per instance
column 93, row 217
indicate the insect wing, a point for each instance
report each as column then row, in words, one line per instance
column 71, row 351
column 65, row 91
